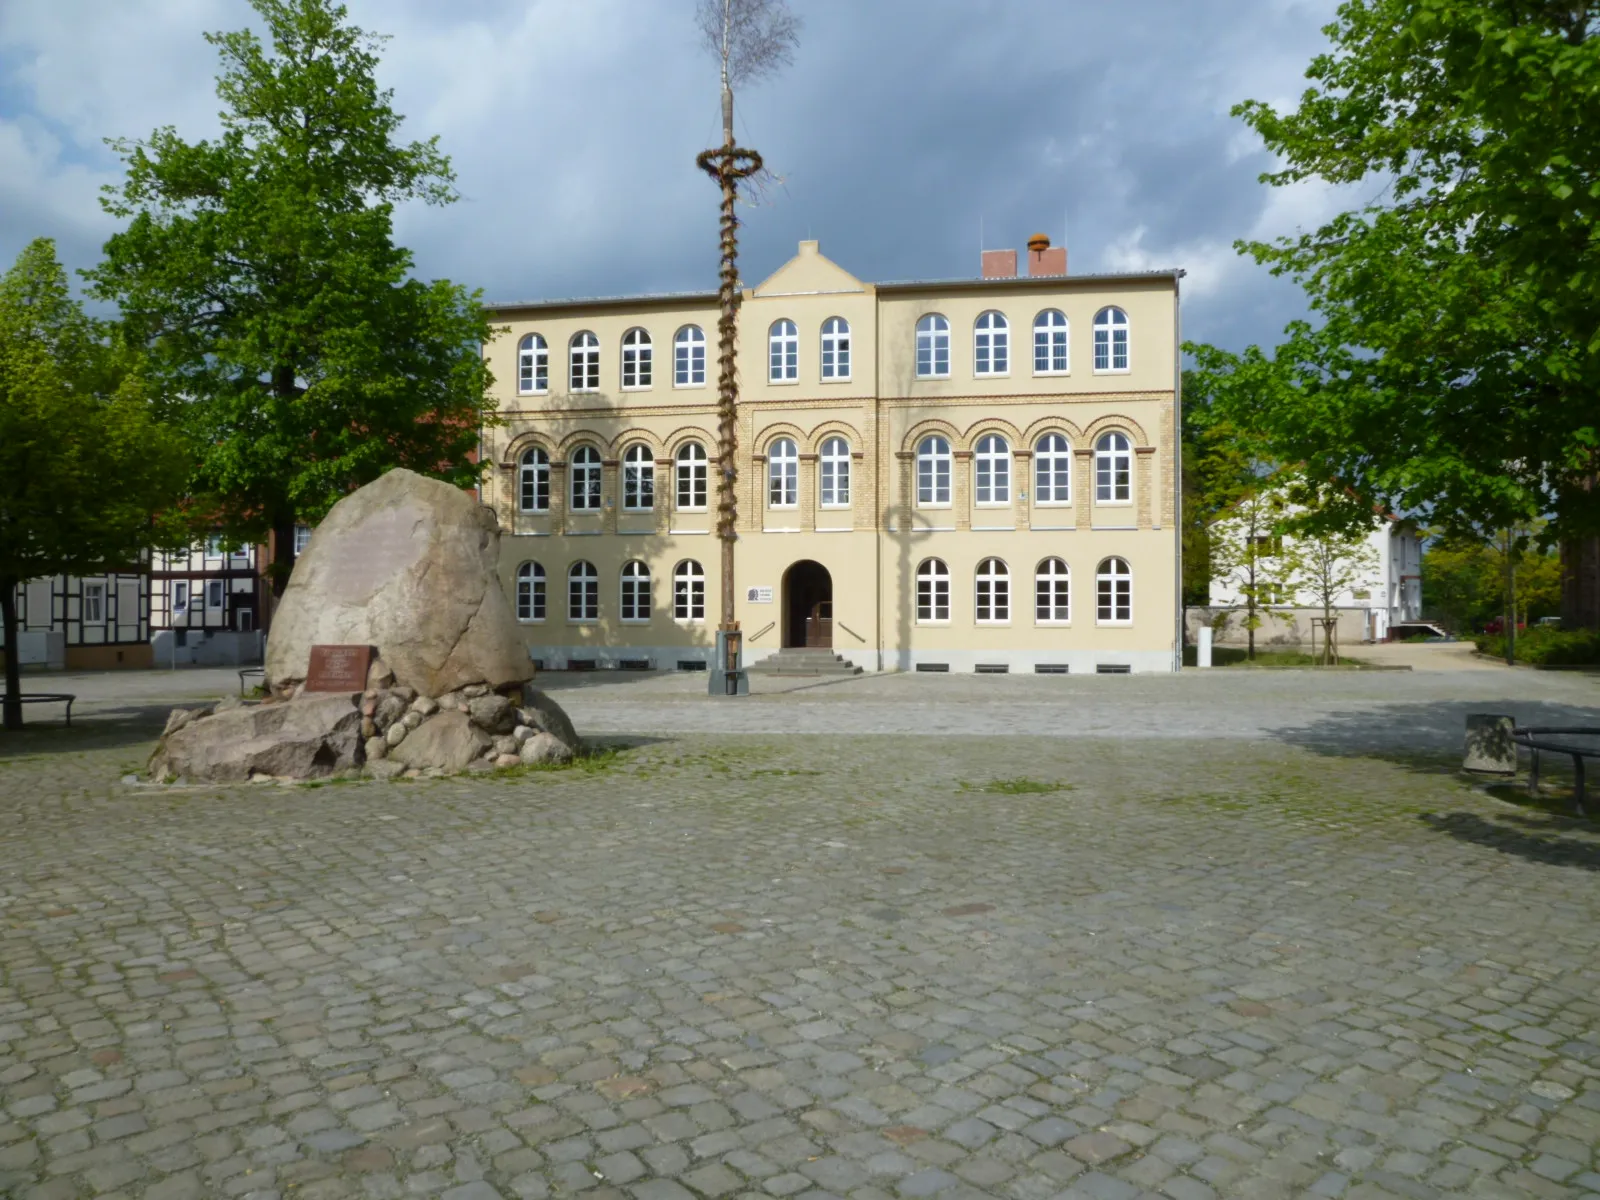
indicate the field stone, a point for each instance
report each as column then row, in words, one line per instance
column 523, row 732
column 385, row 768
column 426, row 705
column 448, row 741
column 493, row 713
column 379, row 676
column 308, row 738
column 376, row 748
column 390, row 709
column 412, row 719
column 369, row 727
column 507, row 760
column 545, row 748
column 473, row 690
column 506, row 744
column 397, row 733
column 179, row 717
column 545, row 715
column 409, row 566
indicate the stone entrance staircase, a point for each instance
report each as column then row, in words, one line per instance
column 797, row 660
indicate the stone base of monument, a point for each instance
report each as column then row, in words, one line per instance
column 382, row 733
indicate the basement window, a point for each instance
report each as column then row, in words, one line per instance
column 1113, row 669
column 691, row 664
column 934, row 668
column 991, row 669
column 1050, row 668
column 580, row 664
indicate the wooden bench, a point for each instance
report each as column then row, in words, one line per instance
column 48, row 698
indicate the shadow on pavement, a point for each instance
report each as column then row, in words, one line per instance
column 1428, row 736
column 1552, row 840
column 102, row 729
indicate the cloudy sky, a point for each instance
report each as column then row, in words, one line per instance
column 903, row 124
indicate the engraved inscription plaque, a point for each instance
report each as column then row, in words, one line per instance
column 338, row 668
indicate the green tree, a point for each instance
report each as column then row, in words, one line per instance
column 85, row 467
column 1465, row 578
column 1247, row 551
column 1328, row 564
column 1454, row 366
column 260, row 272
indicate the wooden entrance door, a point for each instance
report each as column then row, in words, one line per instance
column 819, row 625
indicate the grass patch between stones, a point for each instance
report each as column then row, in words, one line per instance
column 1016, row 787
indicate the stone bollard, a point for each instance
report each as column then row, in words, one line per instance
column 1490, row 749
column 1202, row 651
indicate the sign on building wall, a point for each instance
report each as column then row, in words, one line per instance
column 758, row 595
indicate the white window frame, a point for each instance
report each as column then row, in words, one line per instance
column 1052, row 464
column 1112, row 341
column 302, row 539
column 216, row 593
column 991, row 469
column 991, row 345
column 689, row 592
column 93, row 606
column 783, row 351
column 634, row 592
column 833, row 473
column 691, row 469
column 533, row 365
column 638, row 478
column 180, row 596
column 934, row 465
column 689, row 357
column 1113, row 468
column 933, row 586
column 583, row 363
column 783, row 474
column 1052, row 343
column 531, row 593
column 637, row 360
column 933, row 342
column 586, row 471
column 836, row 350
column 533, row 479
column 991, row 593
column 1050, row 586
column 583, row 593
column 1115, row 586
column 213, row 547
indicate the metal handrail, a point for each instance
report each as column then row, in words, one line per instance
column 851, row 632
column 765, row 629
column 1535, row 738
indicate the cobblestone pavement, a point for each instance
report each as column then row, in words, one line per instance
column 774, row 965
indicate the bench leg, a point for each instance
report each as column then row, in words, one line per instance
column 1577, row 792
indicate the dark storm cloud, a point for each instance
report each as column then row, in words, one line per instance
column 573, row 127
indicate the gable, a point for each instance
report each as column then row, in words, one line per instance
column 808, row 273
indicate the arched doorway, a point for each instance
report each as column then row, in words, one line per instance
column 807, row 605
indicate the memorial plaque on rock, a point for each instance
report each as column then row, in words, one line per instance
column 338, row 668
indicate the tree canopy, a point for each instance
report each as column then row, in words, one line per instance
column 260, row 273
column 89, row 478
column 1453, row 368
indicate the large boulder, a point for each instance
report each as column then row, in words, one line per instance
column 447, row 741
column 307, row 738
column 409, row 565
column 544, row 714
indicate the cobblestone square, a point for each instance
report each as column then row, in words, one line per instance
column 897, row 937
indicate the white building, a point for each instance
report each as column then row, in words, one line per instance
column 1386, row 594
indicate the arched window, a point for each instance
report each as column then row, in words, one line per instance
column 1111, row 340
column 933, row 471
column 1050, row 343
column 836, row 348
column 533, row 481
column 636, row 359
column 933, row 590
column 533, row 365
column 783, row 474
column 1115, row 582
column 530, row 592
column 993, row 592
column 689, row 357
column 835, row 464
column 689, row 591
column 1113, row 470
column 1052, row 470
column 584, row 372
column 783, row 343
column 691, row 476
column 585, row 471
column 583, row 592
column 994, row 470
column 1052, row 593
column 638, row 478
column 933, row 347
column 991, row 345
column 635, row 591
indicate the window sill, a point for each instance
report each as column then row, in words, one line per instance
column 992, row 504
column 1113, row 503
column 1053, row 624
column 583, row 620
column 1052, row 503
column 530, row 620
column 782, row 382
column 927, row 378
column 834, row 507
column 783, row 508
column 638, row 387
column 689, row 532
column 688, row 387
column 991, row 374
column 583, row 391
column 945, row 507
column 933, row 623
column 543, row 392
column 991, row 624
column 639, row 512
column 688, row 620
column 835, row 379
column 1113, row 371
column 636, row 620
column 1114, row 624
column 1052, row 374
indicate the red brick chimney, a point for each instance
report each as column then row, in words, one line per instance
column 999, row 264
column 1042, row 260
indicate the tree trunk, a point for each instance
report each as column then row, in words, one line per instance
column 12, row 718
column 282, row 564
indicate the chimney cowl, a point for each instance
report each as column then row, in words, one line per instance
column 1038, row 242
